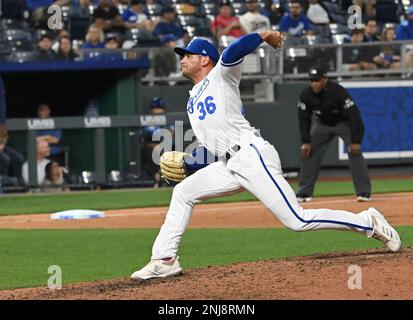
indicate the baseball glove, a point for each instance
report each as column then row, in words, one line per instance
column 274, row 38
column 173, row 166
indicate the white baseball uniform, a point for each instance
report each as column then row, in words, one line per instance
column 214, row 110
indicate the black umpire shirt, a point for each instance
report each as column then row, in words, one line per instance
column 331, row 106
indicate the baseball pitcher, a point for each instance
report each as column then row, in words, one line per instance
column 245, row 159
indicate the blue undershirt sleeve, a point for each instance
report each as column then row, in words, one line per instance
column 240, row 48
column 199, row 159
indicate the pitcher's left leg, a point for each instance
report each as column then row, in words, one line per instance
column 269, row 186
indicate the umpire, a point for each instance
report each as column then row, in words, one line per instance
column 336, row 115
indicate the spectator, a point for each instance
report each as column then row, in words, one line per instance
column 51, row 136
column 112, row 43
column 225, row 24
column 405, row 32
column 167, row 26
column 54, row 178
column 253, row 20
column 358, row 58
column 275, row 9
column 366, row 5
column 44, row 49
column 61, row 33
column 13, row 9
column 370, row 31
column 135, row 17
column 165, row 61
column 317, row 13
column 10, row 160
column 405, row 29
column 150, row 169
column 390, row 55
column 66, row 52
column 43, row 151
column 80, row 8
column 107, row 17
column 3, row 105
column 294, row 23
column 94, row 38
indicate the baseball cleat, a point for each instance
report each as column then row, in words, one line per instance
column 364, row 197
column 303, row 198
column 383, row 231
column 158, row 269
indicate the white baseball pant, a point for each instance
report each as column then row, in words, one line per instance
column 256, row 167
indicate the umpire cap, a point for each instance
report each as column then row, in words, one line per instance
column 317, row 73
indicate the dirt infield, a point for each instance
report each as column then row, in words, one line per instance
column 384, row 275
column 398, row 208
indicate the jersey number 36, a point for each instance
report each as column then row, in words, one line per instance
column 204, row 108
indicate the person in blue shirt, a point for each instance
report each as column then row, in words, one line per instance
column 94, row 38
column 405, row 29
column 135, row 17
column 405, row 32
column 294, row 23
column 168, row 26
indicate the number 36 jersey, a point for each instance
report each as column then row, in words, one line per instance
column 215, row 109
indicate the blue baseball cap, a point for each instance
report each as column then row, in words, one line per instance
column 158, row 103
column 168, row 37
column 200, row 47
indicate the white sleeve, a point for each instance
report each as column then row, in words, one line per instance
column 228, row 72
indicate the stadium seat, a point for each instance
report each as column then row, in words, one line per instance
column 321, row 30
column 20, row 46
column 6, row 24
column 154, row 9
column 239, row 8
column 192, row 2
column 16, row 34
column 143, row 38
column 21, row 57
column 336, row 28
column 193, row 21
column 210, row 9
column 185, row 9
column 340, row 38
column 38, row 33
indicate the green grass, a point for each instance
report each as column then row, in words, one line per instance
column 88, row 255
column 121, row 199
